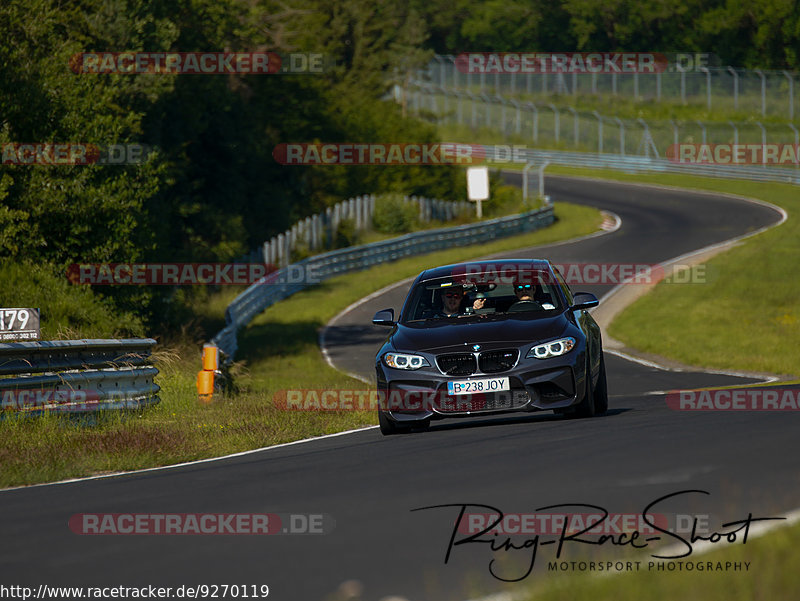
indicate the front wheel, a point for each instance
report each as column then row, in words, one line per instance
column 601, row 389
column 586, row 408
column 389, row 427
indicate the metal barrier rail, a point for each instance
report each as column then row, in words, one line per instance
column 81, row 375
column 286, row 281
column 642, row 164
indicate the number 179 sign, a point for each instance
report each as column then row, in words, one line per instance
column 19, row 324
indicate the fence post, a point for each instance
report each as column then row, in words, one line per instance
column 535, row 110
column 763, row 141
column 621, row 135
column 763, row 91
column 733, row 72
column 599, row 131
column 575, row 124
column 681, row 70
column 556, row 122
column 703, row 127
column 708, row 86
column 674, row 132
column 788, row 76
column 735, row 132
column 541, row 178
column 281, row 250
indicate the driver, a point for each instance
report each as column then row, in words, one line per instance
column 525, row 300
column 451, row 302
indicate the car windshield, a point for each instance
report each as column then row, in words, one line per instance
column 453, row 298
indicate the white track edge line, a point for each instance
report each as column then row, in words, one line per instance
column 188, row 463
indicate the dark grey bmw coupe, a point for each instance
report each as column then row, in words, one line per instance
column 489, row 337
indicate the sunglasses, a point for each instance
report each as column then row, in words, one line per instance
column 453, row 294
column 523, row 286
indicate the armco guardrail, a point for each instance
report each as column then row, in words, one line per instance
column 649, row 164
column 289, row 280
column 77, row 375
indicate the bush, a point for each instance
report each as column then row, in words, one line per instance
column 394, row 215
column 346, row 234
column 67, row 310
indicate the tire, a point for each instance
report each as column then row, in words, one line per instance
column 601, row 390
column 389, row 427
column 586, row 408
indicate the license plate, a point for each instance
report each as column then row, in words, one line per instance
column 477, row 385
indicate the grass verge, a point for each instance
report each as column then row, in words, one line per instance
column 771, row 575
column 282, row 353
column 750, row 284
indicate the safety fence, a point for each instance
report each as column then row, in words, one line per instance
column 755, row 91
column 567, row 128
column 295, row 277
column 318, row 232
column 77, row 375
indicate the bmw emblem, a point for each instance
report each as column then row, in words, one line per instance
column 476, row 347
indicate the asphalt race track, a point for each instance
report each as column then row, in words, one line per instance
column 640, row 451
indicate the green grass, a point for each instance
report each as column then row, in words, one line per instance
column 700, row 324
column 281, row 353
column 625, row 106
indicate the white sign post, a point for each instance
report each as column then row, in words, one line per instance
column 478, row 186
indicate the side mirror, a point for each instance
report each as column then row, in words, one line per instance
column 384, row 318
column 584, row 300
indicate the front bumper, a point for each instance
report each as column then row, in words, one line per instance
column 536, row 385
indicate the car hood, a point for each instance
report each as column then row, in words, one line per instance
column 493, row 330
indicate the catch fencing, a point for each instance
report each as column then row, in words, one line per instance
column 753, row 91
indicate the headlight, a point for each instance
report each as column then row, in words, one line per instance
column 552, row 349
column 404, row 361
